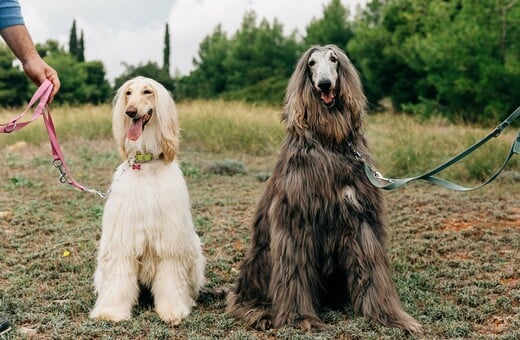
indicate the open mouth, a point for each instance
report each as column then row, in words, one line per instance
column 328, row 97
column 137, row 126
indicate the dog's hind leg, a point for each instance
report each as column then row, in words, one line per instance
column 249, row 298
column 370, row 283
column 117, row 289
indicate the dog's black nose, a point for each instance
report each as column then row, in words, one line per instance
column 131, row 111
column 324, row 84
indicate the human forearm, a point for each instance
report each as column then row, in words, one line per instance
column 19, row 41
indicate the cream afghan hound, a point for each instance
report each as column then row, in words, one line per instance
column 318, row 233
column 148, row 237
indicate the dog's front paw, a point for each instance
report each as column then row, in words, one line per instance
column 407, row 323
column 415, row 328
column 411, row 326
column 305, row 323
column 263, row 322
column 173, row 316
column 109, row 314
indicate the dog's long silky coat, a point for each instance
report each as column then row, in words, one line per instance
column 318, row 233
column 148, row 237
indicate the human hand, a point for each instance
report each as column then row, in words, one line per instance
column 38, row 70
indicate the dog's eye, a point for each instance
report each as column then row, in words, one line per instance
column 128, row 93
column 147, row 92
column 312, row 63
column 333, row 59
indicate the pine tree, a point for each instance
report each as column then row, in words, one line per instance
column 333, row 28
column 73, row 40
column 166, row 51
column 81, row 49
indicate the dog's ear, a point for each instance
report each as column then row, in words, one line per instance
column 299, row 101
column 350, row 87
column 119, row 122
column 168, row 123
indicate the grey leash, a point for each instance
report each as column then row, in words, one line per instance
column 393, row 183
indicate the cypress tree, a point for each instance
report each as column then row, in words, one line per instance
column 81, row 48
column 73, row 40
column 166, row 51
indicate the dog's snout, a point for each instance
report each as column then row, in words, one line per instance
column 131, row 111
column 324, row 84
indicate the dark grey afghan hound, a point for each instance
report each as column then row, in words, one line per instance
column 318, row 233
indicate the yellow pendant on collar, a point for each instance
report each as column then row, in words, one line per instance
column 143, row 157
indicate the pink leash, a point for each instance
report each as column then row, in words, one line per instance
column 42, row 109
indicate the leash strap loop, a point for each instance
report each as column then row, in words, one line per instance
column 376, row 178
column 42, row 94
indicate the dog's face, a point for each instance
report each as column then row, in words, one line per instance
column 323, row 70
column 324, row 94
column 138, row 96
column 144, row 119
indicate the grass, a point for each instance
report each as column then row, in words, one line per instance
column 402, row 146
column 218, row 126
column 454, row 255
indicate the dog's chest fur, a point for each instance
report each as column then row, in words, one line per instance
column 321, row 194
column 136, row 211
column 323, row 189
column 313, row 172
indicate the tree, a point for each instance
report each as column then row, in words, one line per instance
column 209, row 77
column 73, row 78
column 259, row 52
column 458, row 58
column 332, row 28
column 13, row 82
column 96, row 89
column 76, row 46
column 73, row 40
column 379, row 51
column 81, row 48
column 150, row 70
column 473, row 65
column 81, row 82
column 49, row 47
column 253, row 65
column 166, row 51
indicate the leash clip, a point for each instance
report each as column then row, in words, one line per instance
column 498, row 130
column 376, row 174
column 59, row 165
column 380, row 177
column 357, row 155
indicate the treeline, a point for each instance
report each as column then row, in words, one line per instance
column 457, row 58
column 81, row 81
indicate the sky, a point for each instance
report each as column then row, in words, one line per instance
column 132, row 32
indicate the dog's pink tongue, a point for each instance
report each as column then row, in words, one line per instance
column 328, row 97
column 135, row 129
